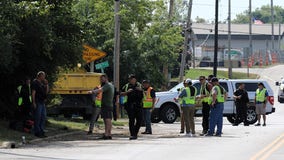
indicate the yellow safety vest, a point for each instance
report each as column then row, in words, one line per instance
column 180, row 100
column 98, row 99
column 189, row 99
column 20, row 99
column 260, row 95
column 220, row 95
column 126, row 89
column 203, row 87
column 148, row 100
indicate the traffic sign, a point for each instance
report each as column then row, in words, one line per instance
column 91, row 54
column 102, row 65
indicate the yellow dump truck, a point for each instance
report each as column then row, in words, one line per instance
column 72, row 88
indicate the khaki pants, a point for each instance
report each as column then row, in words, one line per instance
column 188, row 113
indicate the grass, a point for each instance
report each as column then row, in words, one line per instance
column 55, row 125
column 195, row 73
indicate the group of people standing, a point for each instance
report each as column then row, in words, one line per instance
column 212, row 96
column 31, row 102
column 138, row 100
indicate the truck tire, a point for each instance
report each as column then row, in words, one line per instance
column 231, row 118
column 251, row 115
column 169, row 113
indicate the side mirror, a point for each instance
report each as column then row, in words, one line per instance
column 277, row 83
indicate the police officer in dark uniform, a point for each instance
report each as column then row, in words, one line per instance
column 241, row 100
column 133, row 93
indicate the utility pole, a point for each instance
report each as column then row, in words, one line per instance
column 165, row 65
column 250, row 38
column 116, row 44
column 272, row 26
column 186, row 36
column 216, row 39
column 229, row 41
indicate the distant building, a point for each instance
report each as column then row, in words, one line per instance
column 261, row 35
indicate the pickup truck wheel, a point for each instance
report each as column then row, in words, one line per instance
column 169, row 114
column 231, row 118
column 251, row 116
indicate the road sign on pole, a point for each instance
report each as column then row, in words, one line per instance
column 91, row 54
column 102, row 65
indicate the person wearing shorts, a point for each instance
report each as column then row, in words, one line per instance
column 260, row 103
column 107, row 104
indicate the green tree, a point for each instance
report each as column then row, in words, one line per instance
column 263, row 13
column 38, row 35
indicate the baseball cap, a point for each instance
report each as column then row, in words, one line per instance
column 146, row 81
column 131, row 76
column 214, row 79
column 188, row 81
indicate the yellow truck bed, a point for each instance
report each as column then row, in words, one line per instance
column 76, row 83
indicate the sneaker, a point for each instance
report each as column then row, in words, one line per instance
column 132, row 137
column 89, row 132
column 264, row 124
column 208, row 135
column 105, row 137
column 258, row 124
column 188, row 134
column 146, row 132
column 181, row 131
column 217, row 135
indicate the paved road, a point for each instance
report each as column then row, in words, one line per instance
column 237, row 143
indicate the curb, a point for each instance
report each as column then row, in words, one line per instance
column 13, row 144
column 55, row 136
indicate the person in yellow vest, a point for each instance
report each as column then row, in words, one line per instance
column 217, row 98
column 188, row 96
column 97, row 104
column 204, row 96
column 260, row 103
column 148, row 105
column 181, row 113
column 25, row 98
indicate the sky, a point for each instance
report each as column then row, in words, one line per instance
column 206, row 8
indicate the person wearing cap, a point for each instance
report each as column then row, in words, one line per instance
column 133, row 105
column 241, row 101
column 148, row 105
column 188, row 106
column 260, row 103
column 204, row 96
column 217, row 98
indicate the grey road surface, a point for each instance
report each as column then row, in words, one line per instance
column 237, row 142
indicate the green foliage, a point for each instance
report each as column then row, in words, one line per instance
column 34, row 36
column 263, row 13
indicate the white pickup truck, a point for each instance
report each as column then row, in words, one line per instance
column 167, row 110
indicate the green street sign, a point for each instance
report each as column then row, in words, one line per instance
column 102, row 65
